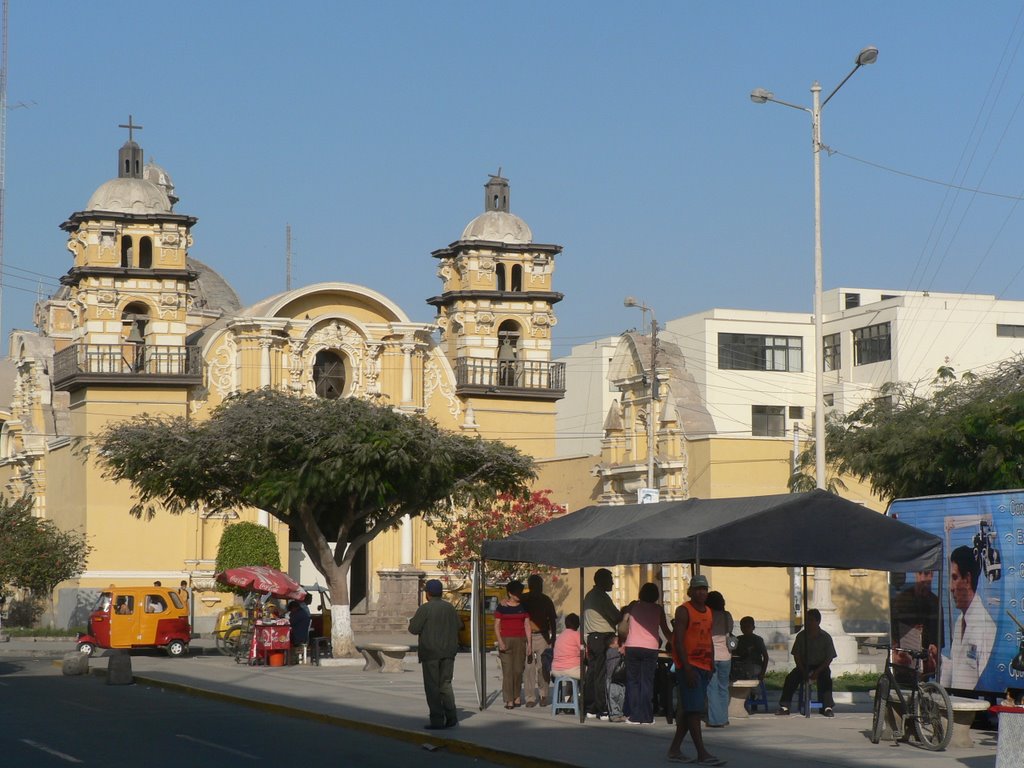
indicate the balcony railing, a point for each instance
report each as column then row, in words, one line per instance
column 82, row 364
column 516, row 378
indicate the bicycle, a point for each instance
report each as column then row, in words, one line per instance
column 924, row 703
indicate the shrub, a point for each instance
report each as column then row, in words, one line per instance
column 244, row 544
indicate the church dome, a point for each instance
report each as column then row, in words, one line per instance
column 498, row 226
column 129, row 195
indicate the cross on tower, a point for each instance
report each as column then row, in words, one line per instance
column 131, row 127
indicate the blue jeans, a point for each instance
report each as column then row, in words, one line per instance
column 641, row 664
column 718, row 694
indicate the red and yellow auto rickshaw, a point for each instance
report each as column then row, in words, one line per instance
column 138, row 617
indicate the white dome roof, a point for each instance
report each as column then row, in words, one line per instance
column 498, row 226
column 127, row 195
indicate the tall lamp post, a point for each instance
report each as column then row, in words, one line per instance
column 631, row 301
column 869, row 55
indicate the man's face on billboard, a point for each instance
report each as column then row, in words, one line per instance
column 960, row 587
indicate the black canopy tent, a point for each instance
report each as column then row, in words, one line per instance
column 816, row 528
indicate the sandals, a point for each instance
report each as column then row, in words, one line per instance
column 680, row 759
column 711, row 761
column 510, row 705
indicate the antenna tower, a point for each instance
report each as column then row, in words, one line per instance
column 287, row 253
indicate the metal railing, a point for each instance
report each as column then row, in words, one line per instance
column 521, row 374
column 126, row 360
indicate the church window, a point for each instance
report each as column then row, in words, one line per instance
column 517, row 277
column 500, row 272
column 126, row 251
column 329, row 375
column 145, row 253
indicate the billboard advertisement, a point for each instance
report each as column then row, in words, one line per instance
column 970, row 614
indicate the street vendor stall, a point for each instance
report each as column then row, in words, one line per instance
column 263, row 638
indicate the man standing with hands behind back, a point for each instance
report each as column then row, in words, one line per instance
column 437, row 624
column 544, row 626
column 600, row 617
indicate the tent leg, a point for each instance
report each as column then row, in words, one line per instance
column 583, row 654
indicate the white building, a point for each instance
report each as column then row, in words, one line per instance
column 755, row 370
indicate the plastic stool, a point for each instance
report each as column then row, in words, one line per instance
column 320, row 648
column 800, row 698
column 757, row 698
column 573, row 705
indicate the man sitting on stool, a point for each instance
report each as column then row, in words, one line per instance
column 813, row 652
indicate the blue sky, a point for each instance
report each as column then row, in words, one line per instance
column 626, row 131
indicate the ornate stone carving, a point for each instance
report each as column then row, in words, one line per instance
column 339, row 336
column 434, row 380
column 484, row 322
column 170, row 239
column 374, row 365
column 220, row 373
column 295, row 348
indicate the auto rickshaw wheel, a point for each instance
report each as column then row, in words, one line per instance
column 176, row 649
column 86, row 648
column 227, row 641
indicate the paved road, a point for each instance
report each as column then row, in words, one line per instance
column 48, row 720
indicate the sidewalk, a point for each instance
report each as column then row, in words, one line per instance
column 393, row 705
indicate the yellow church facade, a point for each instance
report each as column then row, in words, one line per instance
column 140, row 327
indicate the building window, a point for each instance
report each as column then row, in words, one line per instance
column 748, row 352
column 768, row 420
column 831, row 357
column 852, row 300
column 500, row 272
column 872, row 344
column 829, row 399
column 127, row 252
column 796, row 412
column 1010, row 331
column 145, row 253
column 329, row 375
column 517, row 277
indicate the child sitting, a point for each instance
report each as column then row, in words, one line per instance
column 750, row 659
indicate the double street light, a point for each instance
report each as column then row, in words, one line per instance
column 868, row 55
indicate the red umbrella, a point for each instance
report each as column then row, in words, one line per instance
column 262, row 578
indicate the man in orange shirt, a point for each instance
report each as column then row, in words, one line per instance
column 694, row 655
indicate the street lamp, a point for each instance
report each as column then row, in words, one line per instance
column 631, row 301
column 868, row 55
column 845, row 645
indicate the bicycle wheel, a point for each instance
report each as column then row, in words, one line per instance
column 933, row 716
column 227, row 641
column 878, row 710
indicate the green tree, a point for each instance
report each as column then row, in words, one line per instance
column 246, row 543
column 35, row 554
column 461, row 536
column 803, row 476
column 337, row 472
column 967, row 436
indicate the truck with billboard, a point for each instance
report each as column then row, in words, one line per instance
column 969, row 615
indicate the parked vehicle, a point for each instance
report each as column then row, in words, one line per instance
column 970, row 615
column 491, row 597
column 138, row 617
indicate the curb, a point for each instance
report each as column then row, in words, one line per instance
column 456, row 746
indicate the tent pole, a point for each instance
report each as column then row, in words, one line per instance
column 583, row 655
column 803, row 626
column 696, row 556
column 481, row 627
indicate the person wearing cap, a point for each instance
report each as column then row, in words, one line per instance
column 694, row 656
column 600, row 618
column 437, row 624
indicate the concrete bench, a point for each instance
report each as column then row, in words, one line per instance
column 382, row 657
column 964, row 711
column 739, row 690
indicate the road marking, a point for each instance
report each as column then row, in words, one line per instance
column 54, row 752
column 217, row 746
column 81, row 706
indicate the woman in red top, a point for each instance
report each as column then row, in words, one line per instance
column 512, row 630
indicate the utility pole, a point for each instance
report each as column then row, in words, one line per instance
column 3, row 159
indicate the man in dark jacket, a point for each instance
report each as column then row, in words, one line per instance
column 437, row 624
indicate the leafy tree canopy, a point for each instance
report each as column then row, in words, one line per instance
column 35, row 554
column 967, row 436
column 338, row 472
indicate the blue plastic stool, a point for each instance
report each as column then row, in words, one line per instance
column 757, row 698
column 573, row 705
column 815, row 704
